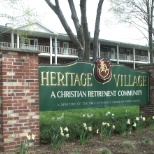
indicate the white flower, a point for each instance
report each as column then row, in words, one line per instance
column 33, row 137
column 137, row 118
column 89, row 115
column 61, row 129
column 66, row 129
column 84, row 125
column 152, row 117
column 62, row 134
column 28, row 137
column 67, row 135
column 134, row 125
column 108, row 124
column 112, row 115
column 85, row 128
column 97, row 131
column 143, row 118
column 83, row 115
column 128, row 121
column 108, row 113
column 90, row 129
column 103, row 123
column 113, row 127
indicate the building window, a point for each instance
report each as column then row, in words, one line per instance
column 1, row 38
column 58, row 44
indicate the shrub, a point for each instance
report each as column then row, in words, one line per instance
column 148, row 141
column 128, row 145
column 105, row 150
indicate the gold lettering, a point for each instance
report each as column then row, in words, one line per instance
column 122, row 82
column 129, row 80
column 89, row 79
column 66, row 79
column 60, row 78
column 83, row 78
column 77, row 80
column 116, row 79
column 52, row 77
column 71, row 75
column 135, row 81
column 46, row 78
column 144, row 81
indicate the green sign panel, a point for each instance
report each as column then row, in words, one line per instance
column 88, row 85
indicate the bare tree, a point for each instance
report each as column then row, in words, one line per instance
column 137, row 13
column 82, row 37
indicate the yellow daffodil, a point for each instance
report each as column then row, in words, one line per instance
column 108, row 124
column 134, row 125
column 128, row 121
column 67, row 135
column 90, row 129
column 143, row 118
column 103, row 123
column 97, row 131
column 28, row 137
column 61, row 129
column 66, row 129
column 84, row 125
column 33, row 137
column 62, row 134
column 137, row 118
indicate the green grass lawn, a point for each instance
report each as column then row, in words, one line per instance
column 52, row 121
column 77, row 114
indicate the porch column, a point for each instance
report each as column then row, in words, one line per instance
column 99, row 54
column 55, row 50
column 12, row 39
column 148, row 56
column 50, row 49
column 117, row 54
column 134, row 58
column 17, row 40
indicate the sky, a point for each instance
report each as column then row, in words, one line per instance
column 110, row 29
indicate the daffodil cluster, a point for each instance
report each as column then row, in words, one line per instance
column 86, row 127
column 138, row 123
column 85, row 133
column 110, row 116
column 106, row 130
column 64, row 132
column 87, row 115
column 31, row 137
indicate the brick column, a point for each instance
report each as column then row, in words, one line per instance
column 19, row 98
column 148, row 110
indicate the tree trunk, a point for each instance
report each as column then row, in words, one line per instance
column 96, row 33
column 150, row 28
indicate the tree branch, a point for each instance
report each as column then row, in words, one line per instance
column 56, row 8
column 84, row 24
column 75, row 19
column 97, row 30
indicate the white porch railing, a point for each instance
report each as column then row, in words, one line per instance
column 72, row 51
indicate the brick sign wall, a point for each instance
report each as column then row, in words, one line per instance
column 148, row 110
column 19, row 111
